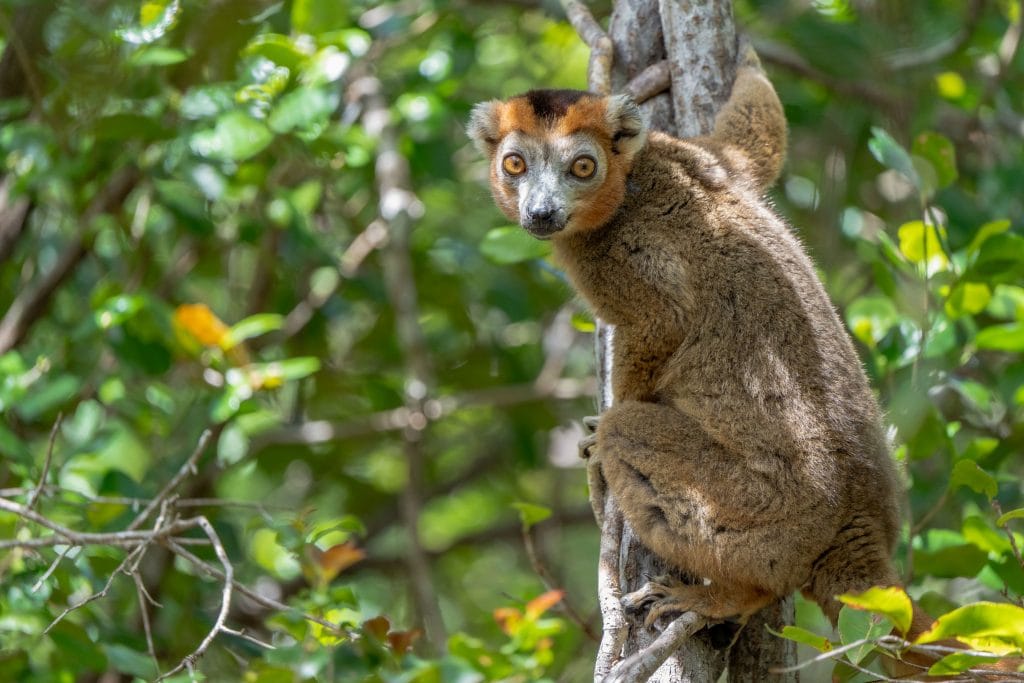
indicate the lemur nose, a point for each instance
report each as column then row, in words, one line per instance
column 544, row 213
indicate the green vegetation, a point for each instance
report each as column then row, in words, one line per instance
column 263, row 219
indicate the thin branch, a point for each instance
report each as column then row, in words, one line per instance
column 549, row 583
column 639, row 667
column 98, row 594
column 1009, row 533
column 599, row 70
column 34, row 496
column 189, row 467
column 654, row 80
column 225, row 598
column 142, row 596
column 53, row 565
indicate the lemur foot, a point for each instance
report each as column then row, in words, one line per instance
column 595, row 477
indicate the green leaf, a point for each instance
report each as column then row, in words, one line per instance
column 987, row 626
column 968, row 298
column 281, row 50
column 892, row 155
column 1012, row 514
column 967, row 473
column 871, row 317
column 891, row 602
column 857, row 625
column 512, row 244
column 293, row 368
column 253, row 326
column 158, row 56
column 920, row 244
column 319, row 16
column 77, row 648
column 958, row 662
column 985, row 231
column 236, row 137
column 583, row 321
column 125, row 660
column 940, row 153
column 302, row 108
column 804, row 637
column 1000, row 258
column 1009, row 337
column 530, row 514
column 964, row 560
column 44, row 397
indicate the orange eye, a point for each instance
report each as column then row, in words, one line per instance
column 514, row 164
column 584, row 167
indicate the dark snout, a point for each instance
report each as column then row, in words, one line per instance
column 543, row 221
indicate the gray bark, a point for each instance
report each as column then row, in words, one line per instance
column 698, row 39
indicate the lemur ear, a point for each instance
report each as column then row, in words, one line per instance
column 628, row 130
column 483, row 125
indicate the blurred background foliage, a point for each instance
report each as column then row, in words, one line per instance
column 264, row 218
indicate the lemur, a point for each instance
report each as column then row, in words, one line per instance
column 744, row 444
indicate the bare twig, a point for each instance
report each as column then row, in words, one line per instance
column 225, row 598
column 1009, row 533
column 652, row 81
column 142, row 596
column 549, row 583
column 98, row 594
column 639, row 666
column 599, row 70
column 34, row 496
column 53, row 565
column 189, row 467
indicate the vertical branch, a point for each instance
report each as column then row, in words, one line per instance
column 398, row 208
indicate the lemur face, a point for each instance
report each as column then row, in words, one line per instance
column 559, row 158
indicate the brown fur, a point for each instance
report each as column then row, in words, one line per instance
column 744, row 444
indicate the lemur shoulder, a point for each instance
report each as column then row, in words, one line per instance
column 744, row 444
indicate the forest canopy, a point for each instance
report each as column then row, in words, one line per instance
column 283, row 397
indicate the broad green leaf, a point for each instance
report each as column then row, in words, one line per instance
column 583, row 321
column 951, row 85
column 871, row 317
column 967, row 473
column 964, row 560
column 126, row 660
column 1000, row 258
column 940, row 153
column 985, row 231
column 279, row 49
column 1007, row 302
column 980, row 533
column 892, row 155
column 158, row 56
column 891, row 602
column 302, row 108
column 236, row 137
column 77, row 648
column 47, row 395
column 958, row 662
column 253, row 326
column 857, row 625
column 530, row 514
column 512, row 244
column 156, row 18
column 920, row 244
column 968, row 298
column 987, row 626
column 805, row 637
column 1012, row 514
column 319, row 16
column 1009, row 337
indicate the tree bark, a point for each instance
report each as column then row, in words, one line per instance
column 698, row 42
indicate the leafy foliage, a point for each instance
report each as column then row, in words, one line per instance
column 195, row 233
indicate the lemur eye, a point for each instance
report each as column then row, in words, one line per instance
column 514, row 164
column 583, row 167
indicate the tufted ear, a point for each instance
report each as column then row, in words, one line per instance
column 483, row 125
column 629, row 134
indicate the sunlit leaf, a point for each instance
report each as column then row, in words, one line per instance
column 236, row 137
column 512, row 244
column 891, row 602
column 857, row 625
column 985, row 231
column 968, row 298
column 805, row 637
column 1009, row 337
column 920, row 244
column 199, row 321
column 319, row 16
column 1012, row 514
column 959, row 662
column 302, row 108
column 871, row 317
column 253, row 326
column 892, row 155
column 987, row 626
column 530, row 514
column 156, row 18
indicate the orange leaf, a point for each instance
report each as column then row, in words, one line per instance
column 201, row 323
column 338, row 558
column 508, row 619
column 377, row 627
column 542, row 603
column 401, row 641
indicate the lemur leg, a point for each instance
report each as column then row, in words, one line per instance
column 667, row 594
column 706, row 510
column 595, row 478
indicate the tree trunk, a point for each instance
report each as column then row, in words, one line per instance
column 698, row 40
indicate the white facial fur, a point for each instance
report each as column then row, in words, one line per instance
column 548, row 192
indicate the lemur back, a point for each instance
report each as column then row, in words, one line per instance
column 744, row 444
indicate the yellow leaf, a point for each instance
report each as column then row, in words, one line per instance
column 542, row 603
column 951, row 85
column 199, row 321
column 508, row 619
